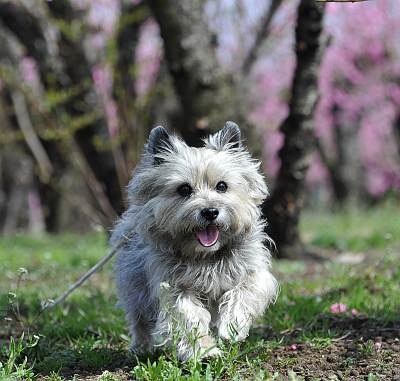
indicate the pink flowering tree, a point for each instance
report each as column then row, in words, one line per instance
column 358, row 111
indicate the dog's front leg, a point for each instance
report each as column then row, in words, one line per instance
column 184, row 322
column 239, row 306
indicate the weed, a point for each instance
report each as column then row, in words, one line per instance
column 366, row 349
column 11, row 369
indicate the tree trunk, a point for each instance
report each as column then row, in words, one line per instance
column 344, row 169
column 283, row 208
column 78, row 70
column 205, row 93
column 396, row 128
column 63, row 65
column 55, row 163
column 127, row 38
column 132, row 131
column 347, row 181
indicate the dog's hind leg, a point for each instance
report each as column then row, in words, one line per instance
column 141, row 328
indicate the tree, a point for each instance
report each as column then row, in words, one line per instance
column 284, row 206
column 345, row 167
column 125, row 74
column 202, row 87
column 51, row 162
column 63, row 67
column 360, row 95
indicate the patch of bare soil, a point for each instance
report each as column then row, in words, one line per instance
column 363, row 347
column 120, row 375
column 117, row 363
column 344, row 360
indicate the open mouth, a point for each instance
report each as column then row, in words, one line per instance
column 209, row 236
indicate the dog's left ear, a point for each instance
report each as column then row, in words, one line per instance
column 227, row 138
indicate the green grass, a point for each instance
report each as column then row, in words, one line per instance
column 354, row 229
column 87, row 335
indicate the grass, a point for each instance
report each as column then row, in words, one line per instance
column 353, row 229
column 87, row 336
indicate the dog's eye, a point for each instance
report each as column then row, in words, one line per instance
column 185, row 190
column 221, row 187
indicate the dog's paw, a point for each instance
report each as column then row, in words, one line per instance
column 211, row 352
column 205, row 347
column 231, row 331
column 208, row 347
column 140, row 349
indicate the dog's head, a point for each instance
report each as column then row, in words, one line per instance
column 197, row 200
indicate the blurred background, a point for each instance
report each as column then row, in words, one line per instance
column 82, row 83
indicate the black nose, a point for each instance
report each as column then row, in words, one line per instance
column 210, row 214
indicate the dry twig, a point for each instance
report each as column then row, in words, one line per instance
column 262, row 34
column 30, row 135
column 52, row 303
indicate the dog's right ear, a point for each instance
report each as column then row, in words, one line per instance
column 159, row 142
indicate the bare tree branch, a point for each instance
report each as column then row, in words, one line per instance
column 262, row 34
column 340, row 1
column 31, row 138
column 52, row 303
column 94, row 185
column 12, row 53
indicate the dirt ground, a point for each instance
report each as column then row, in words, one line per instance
column 364, row 348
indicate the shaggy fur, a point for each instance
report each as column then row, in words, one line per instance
column 171, row 286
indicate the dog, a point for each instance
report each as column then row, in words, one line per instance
column 192, row 259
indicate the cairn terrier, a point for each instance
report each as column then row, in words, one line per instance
column 192, row 262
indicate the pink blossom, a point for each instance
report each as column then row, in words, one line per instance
column 354, row 312
column 293, row 347
column 148, row 57
column 338, row 308
column 273, row 139
column 29, row 70
column 112, row 117
column 103, row 82
column 102, row 79
column 317, row 171
column 102, row 16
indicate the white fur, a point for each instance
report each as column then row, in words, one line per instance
column 167, row 282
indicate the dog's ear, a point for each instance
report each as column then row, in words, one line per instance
column 258, row 189
column 159, row 142
column 227, row 138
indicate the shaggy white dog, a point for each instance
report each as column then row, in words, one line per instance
column 192, row 258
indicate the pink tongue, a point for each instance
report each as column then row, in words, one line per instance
column 208, row 236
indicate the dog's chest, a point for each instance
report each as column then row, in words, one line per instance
column 211, row 279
